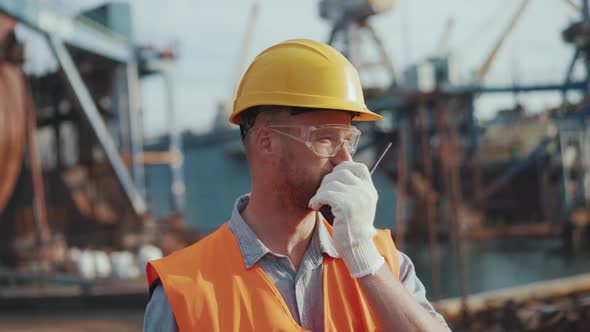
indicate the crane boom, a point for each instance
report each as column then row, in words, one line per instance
column 487, row 64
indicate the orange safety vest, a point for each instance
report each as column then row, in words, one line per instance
column 210, row 289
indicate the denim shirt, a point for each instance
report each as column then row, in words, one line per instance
column 301, row 289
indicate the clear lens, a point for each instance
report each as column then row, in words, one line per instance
column 325, row 141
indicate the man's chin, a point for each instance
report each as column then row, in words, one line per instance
column 302, row 194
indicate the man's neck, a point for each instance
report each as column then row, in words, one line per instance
column 285, row 230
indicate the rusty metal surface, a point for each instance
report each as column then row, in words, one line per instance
column 12, row 114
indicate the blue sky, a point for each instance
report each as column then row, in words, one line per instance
column 210, row 35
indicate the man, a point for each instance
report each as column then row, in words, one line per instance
column 276, row 264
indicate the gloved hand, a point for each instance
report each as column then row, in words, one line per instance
column 350, row 193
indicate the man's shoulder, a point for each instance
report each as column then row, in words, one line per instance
column 196, row 253
column 211, row 257
column 216, row 238
column 383, row 231
column 384, row 238
column 387, row 248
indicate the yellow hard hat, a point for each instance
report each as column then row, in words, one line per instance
column 302, row 73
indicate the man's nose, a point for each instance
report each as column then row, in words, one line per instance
column 342, row 155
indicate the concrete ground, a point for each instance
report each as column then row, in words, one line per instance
column 90, row 321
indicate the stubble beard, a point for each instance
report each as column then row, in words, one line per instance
column 300, row 191
column 297, row 187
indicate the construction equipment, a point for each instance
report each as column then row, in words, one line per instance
column 442, row 47
column 489, row 60
column 350, row 20
column 12, row 111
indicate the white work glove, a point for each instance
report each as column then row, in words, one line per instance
column 349, row 191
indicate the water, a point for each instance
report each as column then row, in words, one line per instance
column 214, row 181
column 499, row 264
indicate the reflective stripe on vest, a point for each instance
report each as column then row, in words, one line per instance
column 210, row 289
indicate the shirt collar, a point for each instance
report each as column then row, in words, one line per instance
column 253, row 249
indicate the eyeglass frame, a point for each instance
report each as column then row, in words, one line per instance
column 307, row 130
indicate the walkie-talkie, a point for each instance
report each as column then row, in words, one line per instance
column 326, row 210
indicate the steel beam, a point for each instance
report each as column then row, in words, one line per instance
column 79, row 32
column 90, row 111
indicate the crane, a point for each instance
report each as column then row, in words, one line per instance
column 489, row 60
column 225, row 106
column 349, row 19
column 443, row 43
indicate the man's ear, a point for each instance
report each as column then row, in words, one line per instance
column 262, row 140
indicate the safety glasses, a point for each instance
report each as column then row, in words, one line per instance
column 325, row 140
